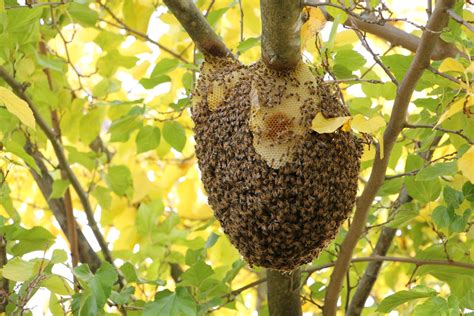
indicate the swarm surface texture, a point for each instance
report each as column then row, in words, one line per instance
column 280, row 190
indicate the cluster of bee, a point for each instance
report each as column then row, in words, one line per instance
column 278, row 218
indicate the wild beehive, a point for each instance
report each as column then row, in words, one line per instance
column 280, row 190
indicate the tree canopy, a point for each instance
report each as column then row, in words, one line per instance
column 102, row 211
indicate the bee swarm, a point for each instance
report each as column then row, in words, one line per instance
column 280, row 190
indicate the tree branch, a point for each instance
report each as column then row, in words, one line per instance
column 439, row 128
column 207, row 41
column 284, row 293
column 460, row 20
column 281, row 24
column 390, row 33
column 63, row 163
column 435, row 25
column 4, row 286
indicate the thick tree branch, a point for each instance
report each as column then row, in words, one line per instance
column 281, row 24
column 207, row 41
column 388, row 32
column 435, row 25
column 284, row 293
column 63, row 163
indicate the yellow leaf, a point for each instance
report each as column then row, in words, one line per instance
column 451, row 64
column 456, row 107
column 323, row 125
column 17, row 107
column 363, row 125
column 466, row 164
column 314, row 24
column 344, row 38
column 470, row 69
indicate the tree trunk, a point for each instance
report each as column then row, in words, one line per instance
column 284, row 293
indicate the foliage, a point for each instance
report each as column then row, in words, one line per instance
column 118, row 103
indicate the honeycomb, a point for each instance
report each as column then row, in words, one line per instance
column 280, row 190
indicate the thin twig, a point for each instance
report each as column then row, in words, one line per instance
column 439, row 128
column 460, row 20
column 144, row 36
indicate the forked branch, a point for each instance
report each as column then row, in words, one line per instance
column 206, row 40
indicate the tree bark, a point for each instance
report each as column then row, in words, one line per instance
column 281, row 24
column 284, row 293
column 206, row 40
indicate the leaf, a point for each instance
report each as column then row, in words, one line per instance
column 451, row 64
column 313, row 24
column 16, row 149
column 423, row 191
column 197, row 273
column 351, row 59
column 148, row 138
column 147, row 216
column 391, row 302
column 17, row 107
column 466, row 164
column 120, row 180
column 452, row 197
column 248, row 44
column 167, row 303
column 174, row 134
column 18, row 270
column 121, row 128
column 164, row 66
column 57, row 284
column 468, row 191
column 211, row 240
column 363, row 125
column 436, row 170
column 59, row 188
column 83, row 14
column 150, row 83
column 456, row 107
column 137, row 14
column 59, row 256
column 435, row 306
column 323, row 125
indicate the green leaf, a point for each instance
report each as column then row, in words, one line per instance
column 83, row 14
column 59, row 188
column 164, row 66
column 121, row 129
column 468, row 191
column 197, row 273
column 248, row 44
column 391, row 302
column 452, row 197
column 174, row 134
column 59, row 256
column 148, row 138
column 150, row 83
column 57, row 284
column 350, row 59
column 441, row 216
column 435, row 306
column 147, row 216
column 214, row 16
column 168, row 303
column 120, row 181
column 423, row 191
column 16, row 149
column 18, row 270
column 129, row 272
column 211, row 240
column 90, row 125
column 405, row 213
column 437, row 170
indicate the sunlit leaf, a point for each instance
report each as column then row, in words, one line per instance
column 17, row 107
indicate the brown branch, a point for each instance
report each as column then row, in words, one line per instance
column 281, row 24
column 207, row 41
column 4, row 286
column 144, row 36
column 439, row 128
column 444, row 75
column 435, row 25
column 311, row 270
column 284, row 293
column 63, row 163
column 390, row 33
column 460, row 20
